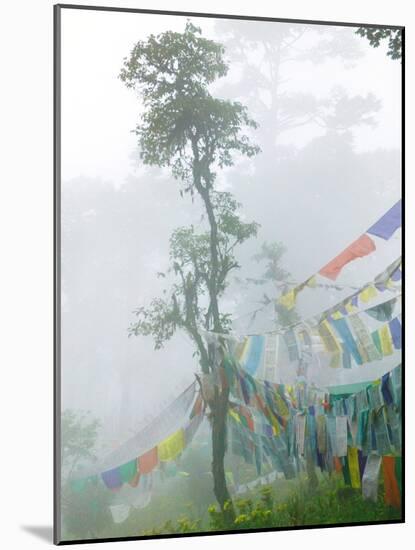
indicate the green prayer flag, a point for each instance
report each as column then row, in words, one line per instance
column 346, row 470
column 398, row 471
column 376, row 341
column 128, row 471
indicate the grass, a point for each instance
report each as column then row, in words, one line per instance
column 331, row 503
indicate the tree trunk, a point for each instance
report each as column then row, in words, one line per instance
column 220, row 402
column 219, row 417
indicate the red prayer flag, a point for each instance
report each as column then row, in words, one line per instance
column 363, row 246
column 135, row 481
column 197, row 407
column 338, row 466
column 392, row 493
column 148, row 461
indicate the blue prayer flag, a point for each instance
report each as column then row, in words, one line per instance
column 386, row 226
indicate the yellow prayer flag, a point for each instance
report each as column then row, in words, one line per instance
column 353, row 460
column 288, row 300
column 390, row 283
column 333, row 344
column 336, row 315
column 234, row 415
column 312, row 282
column 385, row 340
column 368, row 293
column 244, row 351
column 281, row 406
column 335, row 360
column 349, row 307
column 274, row 424
column 172, row 446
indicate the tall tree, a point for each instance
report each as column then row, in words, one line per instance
column 187, row 130
column 267, row 55
column 376, row 36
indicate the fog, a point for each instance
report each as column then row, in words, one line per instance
column 329, row 116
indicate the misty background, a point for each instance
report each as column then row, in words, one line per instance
column 328, row 107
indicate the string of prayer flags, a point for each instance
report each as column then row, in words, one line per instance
column 388, row 223
column 134, row 470
column 351, row 337
column 356, row 426
column 160, row 427
column 384, row 228
column 350, row 305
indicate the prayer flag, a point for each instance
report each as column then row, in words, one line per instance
column 288, row 300
column 256, row 350
column 119, row 512
column 376, row 340
column 292, row 344
column 385, row 388
column 341, row 436
column 396, row 332
column 385, row 340
column 353, row 459
column 128, row 471
column 388, row 223
column 172, row 446
column 366, row 347
column 392, row 493
column 371, row 476
column 112, row 478
column 328, row 337
column 368, row 293
column 382, row 312
column 363, row 246
column 346, row 335
column 398, row 471
column 312, row 282
column 148, row 461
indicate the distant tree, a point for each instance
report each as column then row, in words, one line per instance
column 84, row 502
column 376, row 36
column 187, row 130
column 264, row 51
column 271, row 254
